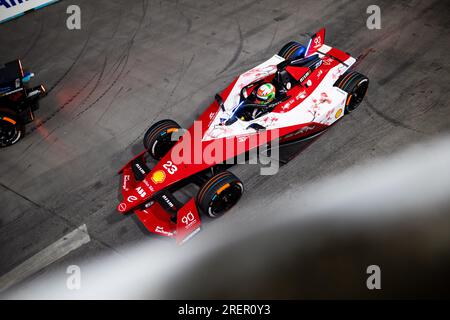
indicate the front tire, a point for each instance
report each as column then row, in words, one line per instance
column 12, row 128
column 219, row 194
column 158, row 138
column 356, row 85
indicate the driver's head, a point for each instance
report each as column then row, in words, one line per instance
column 265, row 93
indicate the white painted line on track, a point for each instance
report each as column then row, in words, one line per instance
column 45, row 257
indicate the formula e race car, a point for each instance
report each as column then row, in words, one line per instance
column 17, row 102
column 310, row 88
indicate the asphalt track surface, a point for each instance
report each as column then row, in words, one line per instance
column 136, row 62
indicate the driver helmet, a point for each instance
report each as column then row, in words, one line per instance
column 265, row 93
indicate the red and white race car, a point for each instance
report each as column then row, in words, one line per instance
column 306, row 90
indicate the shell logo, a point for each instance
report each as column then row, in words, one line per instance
column 158, row 176
column 338, row 113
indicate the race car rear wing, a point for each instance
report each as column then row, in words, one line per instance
column 315, row 42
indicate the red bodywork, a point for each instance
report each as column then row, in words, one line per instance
column 139, row 195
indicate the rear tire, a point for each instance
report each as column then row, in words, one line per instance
column 219, row 194
column 356, row 85
column 12, row 128
column 158, row 138
column 290, row 50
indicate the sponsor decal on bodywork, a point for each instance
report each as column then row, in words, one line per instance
column 188, row 222
column 161, row 230
column 122, row 207
column 10, row 9
column 158, row 176
column 126, row 179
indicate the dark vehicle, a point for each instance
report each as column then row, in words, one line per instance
column 17, row 102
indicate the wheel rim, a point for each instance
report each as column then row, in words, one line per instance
column 8, row 133
column 224, row 201
column 358, row 95
column 162, row 145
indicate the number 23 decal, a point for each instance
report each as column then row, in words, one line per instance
column 170, row 167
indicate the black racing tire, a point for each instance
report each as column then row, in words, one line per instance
column 12, row 128
column 289, row 49
column 158, row 138
column 356, row 85
column 219, row 194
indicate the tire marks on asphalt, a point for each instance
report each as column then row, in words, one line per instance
column 122, row 61
column 394, row 122
column 35, row 40
column 68, row 70
column 64, row 105
column 237, row 52
column 167, row 108
column 99, row 78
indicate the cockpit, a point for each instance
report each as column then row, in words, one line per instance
column 290, row 73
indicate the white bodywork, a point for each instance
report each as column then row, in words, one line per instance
column 321, row 106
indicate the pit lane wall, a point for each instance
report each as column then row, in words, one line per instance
column 11, row 9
